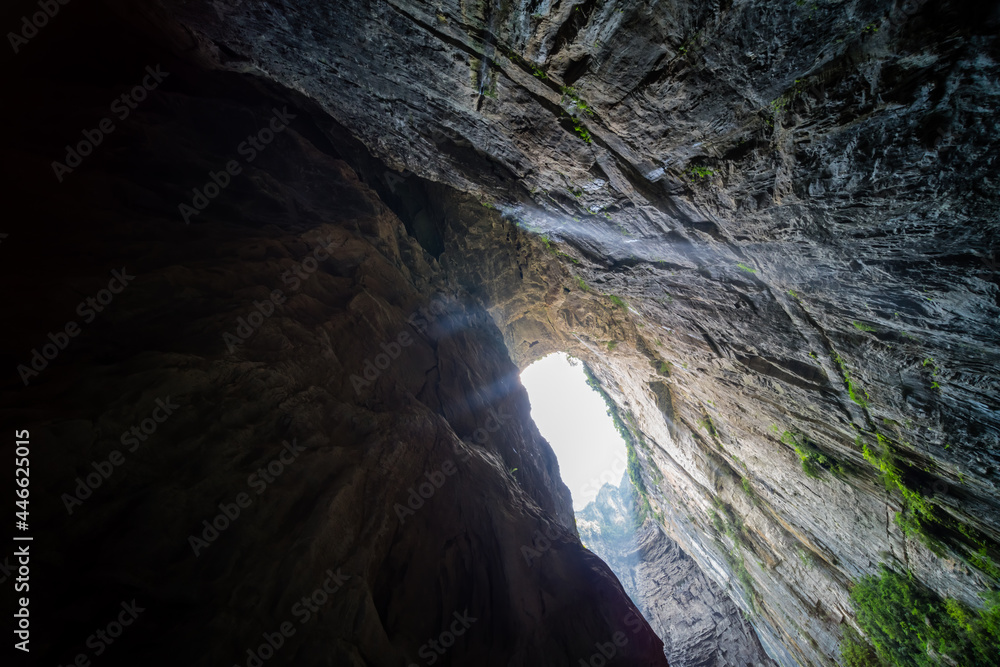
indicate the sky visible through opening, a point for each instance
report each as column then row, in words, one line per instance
column 574, row 419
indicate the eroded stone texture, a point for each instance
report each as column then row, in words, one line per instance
column 325, row 377
column 769, row 188
column 699, row 623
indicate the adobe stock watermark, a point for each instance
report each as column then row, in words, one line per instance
column 230, row 512
column 495, row 420
column 540, row 543
column 102, row 638
column 433, row 649
column 374, row 366
column 87, row 309
column 249, row 325
column 304, row 270
column 248, row 149
column 605, row 651
column 424, row 490
column 6, row 569
column 394, row 180
column 23, row 613
column 612, row 476
column 31, row 25
column 135, row 436
column 293, row 278
column 304, row 610
column 121, row 106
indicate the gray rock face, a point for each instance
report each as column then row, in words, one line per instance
column 698, row 622
column 794, row 206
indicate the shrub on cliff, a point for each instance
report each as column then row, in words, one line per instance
column 911, row 626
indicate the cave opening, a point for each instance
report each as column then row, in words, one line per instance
column 574, row 419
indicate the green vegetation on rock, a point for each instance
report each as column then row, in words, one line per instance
column 634, row 468
column 813, row 460
column 908, row 625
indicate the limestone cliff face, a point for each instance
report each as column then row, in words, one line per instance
column 794, row 206
column 699, row 623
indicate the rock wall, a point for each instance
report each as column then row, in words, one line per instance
column 280, row 433
column 699, row 623
column 793, row 206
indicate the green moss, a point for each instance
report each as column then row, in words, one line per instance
column 618, row 301
column 918, row 512
column 861, row 326
column 635, row 476
column 909, row 625
column 746, row 268
column 934, row 373
column 739, row 568
column 982, row 561
column 856, row 652
column 813, row 460
column 731, row 525
column 581, row 108
column 921, row 518
column 707, row 424
column 578, row 102
column 656, row 474
column 780, row 104
column 853, row 390
column 551, row 247
column 582, row 130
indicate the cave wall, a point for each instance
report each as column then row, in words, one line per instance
column 285, row 416
column 699, row 623
column 794, row 205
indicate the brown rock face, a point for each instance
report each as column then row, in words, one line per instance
column 282, row 433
